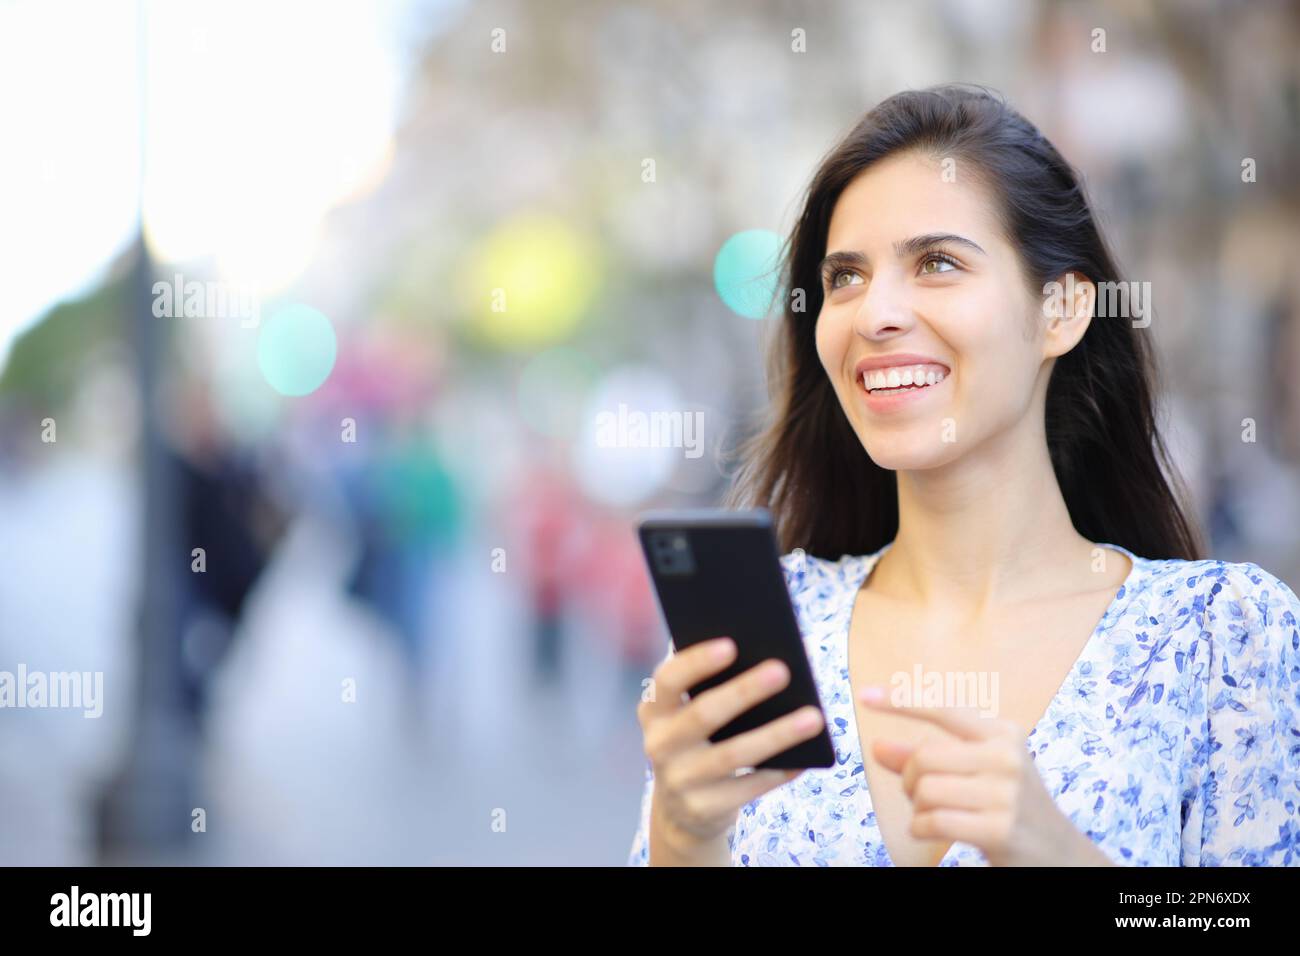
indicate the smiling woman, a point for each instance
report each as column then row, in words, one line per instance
column 964, row 464
column 949, row 207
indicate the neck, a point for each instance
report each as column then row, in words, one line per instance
column 984, row 532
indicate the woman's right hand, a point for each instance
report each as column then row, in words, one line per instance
column 697, row 792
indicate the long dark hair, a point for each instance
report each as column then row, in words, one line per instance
column 807, row 465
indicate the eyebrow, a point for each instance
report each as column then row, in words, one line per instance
column 908, row 247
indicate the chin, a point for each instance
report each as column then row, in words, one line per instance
column 915, row 448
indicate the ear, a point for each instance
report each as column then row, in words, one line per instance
column 1068, row 304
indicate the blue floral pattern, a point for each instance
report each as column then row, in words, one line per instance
column 1173, row 741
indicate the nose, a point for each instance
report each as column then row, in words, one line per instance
column 884, row 309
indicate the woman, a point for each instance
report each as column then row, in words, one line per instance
column 1009, row 527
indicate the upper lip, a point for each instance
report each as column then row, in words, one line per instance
column 896, row 359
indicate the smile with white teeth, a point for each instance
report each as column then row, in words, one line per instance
column 902, row 377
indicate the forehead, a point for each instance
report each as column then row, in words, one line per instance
column 908, row 195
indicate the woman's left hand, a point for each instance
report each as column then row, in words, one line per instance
column 981, row 787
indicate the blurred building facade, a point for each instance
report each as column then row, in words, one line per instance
column 422, row 623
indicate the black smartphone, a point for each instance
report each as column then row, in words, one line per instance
column 718, row 574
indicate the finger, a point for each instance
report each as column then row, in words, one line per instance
column 890, row 754
column 936, row 791
column 682, row 670
column 751, row 748
column 939, row 756
column 964, row 722
column 734, row 792
column 968, row 826
column 992, row 759
column 718, row 706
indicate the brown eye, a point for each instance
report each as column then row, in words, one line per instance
column 842, row 273
column 936, row 261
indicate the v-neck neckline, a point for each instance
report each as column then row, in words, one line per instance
column 844, row 630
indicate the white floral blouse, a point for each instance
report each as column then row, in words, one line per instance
column 1173, row 741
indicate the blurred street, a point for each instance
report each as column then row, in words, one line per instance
column 325, row 330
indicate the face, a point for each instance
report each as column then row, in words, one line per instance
column 919, row 280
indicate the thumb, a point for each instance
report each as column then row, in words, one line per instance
column 890, row 754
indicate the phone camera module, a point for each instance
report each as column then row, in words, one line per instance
column 671, row 552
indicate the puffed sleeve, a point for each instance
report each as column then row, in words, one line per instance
column 1242, row 778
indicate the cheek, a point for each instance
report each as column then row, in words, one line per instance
column 997, row 364
column 986, row 332
column 830, row 343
